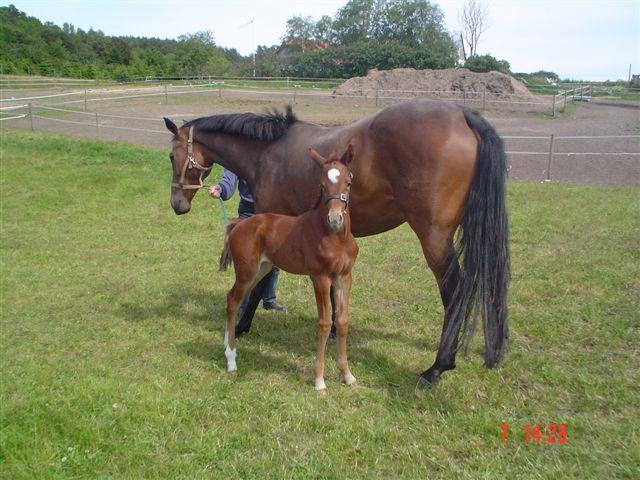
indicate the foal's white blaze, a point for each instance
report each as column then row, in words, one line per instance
column 333, row 175
column 231, row 359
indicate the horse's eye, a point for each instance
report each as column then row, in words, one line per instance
column 171, row 157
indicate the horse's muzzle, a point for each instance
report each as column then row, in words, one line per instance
column 180, row 205
column 335, row 222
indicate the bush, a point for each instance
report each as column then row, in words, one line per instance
column 486, row 63
column 121, row 75
column 7, row 66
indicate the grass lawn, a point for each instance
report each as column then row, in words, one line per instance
column 111, row 340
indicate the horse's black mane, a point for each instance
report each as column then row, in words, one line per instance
column 268, row 126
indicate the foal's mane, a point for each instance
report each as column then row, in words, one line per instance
column 268, row 126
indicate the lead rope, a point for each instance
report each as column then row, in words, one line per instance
column 224, row 211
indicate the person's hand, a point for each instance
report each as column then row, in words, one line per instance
column 215, row 191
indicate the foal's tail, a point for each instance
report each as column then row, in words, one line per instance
column 225, row 256
column 484, row 247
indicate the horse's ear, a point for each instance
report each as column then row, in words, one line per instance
column 171, row 126
column 319, row 159
column 348, row 155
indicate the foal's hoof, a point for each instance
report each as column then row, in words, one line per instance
column 349, row 380
column 320, row 385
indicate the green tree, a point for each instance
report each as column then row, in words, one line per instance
column 355, row 22
column 300, row 31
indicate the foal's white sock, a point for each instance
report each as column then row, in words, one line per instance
column 231, row 359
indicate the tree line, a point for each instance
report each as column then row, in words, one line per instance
column 362, row 35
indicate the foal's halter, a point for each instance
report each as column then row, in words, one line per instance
column 343, row 197
column 191, row 163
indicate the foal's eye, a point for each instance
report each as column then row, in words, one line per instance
column 171, row 157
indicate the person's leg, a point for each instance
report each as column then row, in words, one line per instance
column 269, row 297
column 250, row 303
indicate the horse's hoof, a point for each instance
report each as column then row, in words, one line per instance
column 320, row 385
column 427, row 380
column 349, row 380
column 241, row 331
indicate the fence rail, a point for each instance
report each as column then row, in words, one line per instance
column 37, row 111
column 482, row 99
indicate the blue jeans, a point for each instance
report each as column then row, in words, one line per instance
column 246, row 210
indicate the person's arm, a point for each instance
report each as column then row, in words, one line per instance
column 227, row 184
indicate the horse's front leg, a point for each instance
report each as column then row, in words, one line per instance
column 321, row 287
column 341, row 290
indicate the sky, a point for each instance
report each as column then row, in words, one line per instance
column 589, row 40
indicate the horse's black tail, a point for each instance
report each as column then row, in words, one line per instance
column 483, row 245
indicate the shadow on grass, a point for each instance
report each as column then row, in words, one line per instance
column 197, row 306
column 291, row 333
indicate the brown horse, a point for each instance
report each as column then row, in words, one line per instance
column 317, row 243
column 432, row 164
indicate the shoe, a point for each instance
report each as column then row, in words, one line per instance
column 274, row 306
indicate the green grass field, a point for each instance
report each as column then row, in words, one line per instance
column 113, row 367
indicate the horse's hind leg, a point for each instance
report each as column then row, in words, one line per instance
column 321, row 286
column 437, row 246
column 245, row 280
column 234, row 297
column 332, row 333
column 341, row 290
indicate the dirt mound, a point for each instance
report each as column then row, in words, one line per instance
column 409, row 80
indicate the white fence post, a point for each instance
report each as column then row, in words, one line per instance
column 553, row 107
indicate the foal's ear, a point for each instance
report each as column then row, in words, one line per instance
column 319, row 159
column 348, row 155
column 171, row 126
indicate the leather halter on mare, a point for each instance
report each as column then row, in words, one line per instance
column 191, row 163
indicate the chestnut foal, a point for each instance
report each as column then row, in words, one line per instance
column 317, row 243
